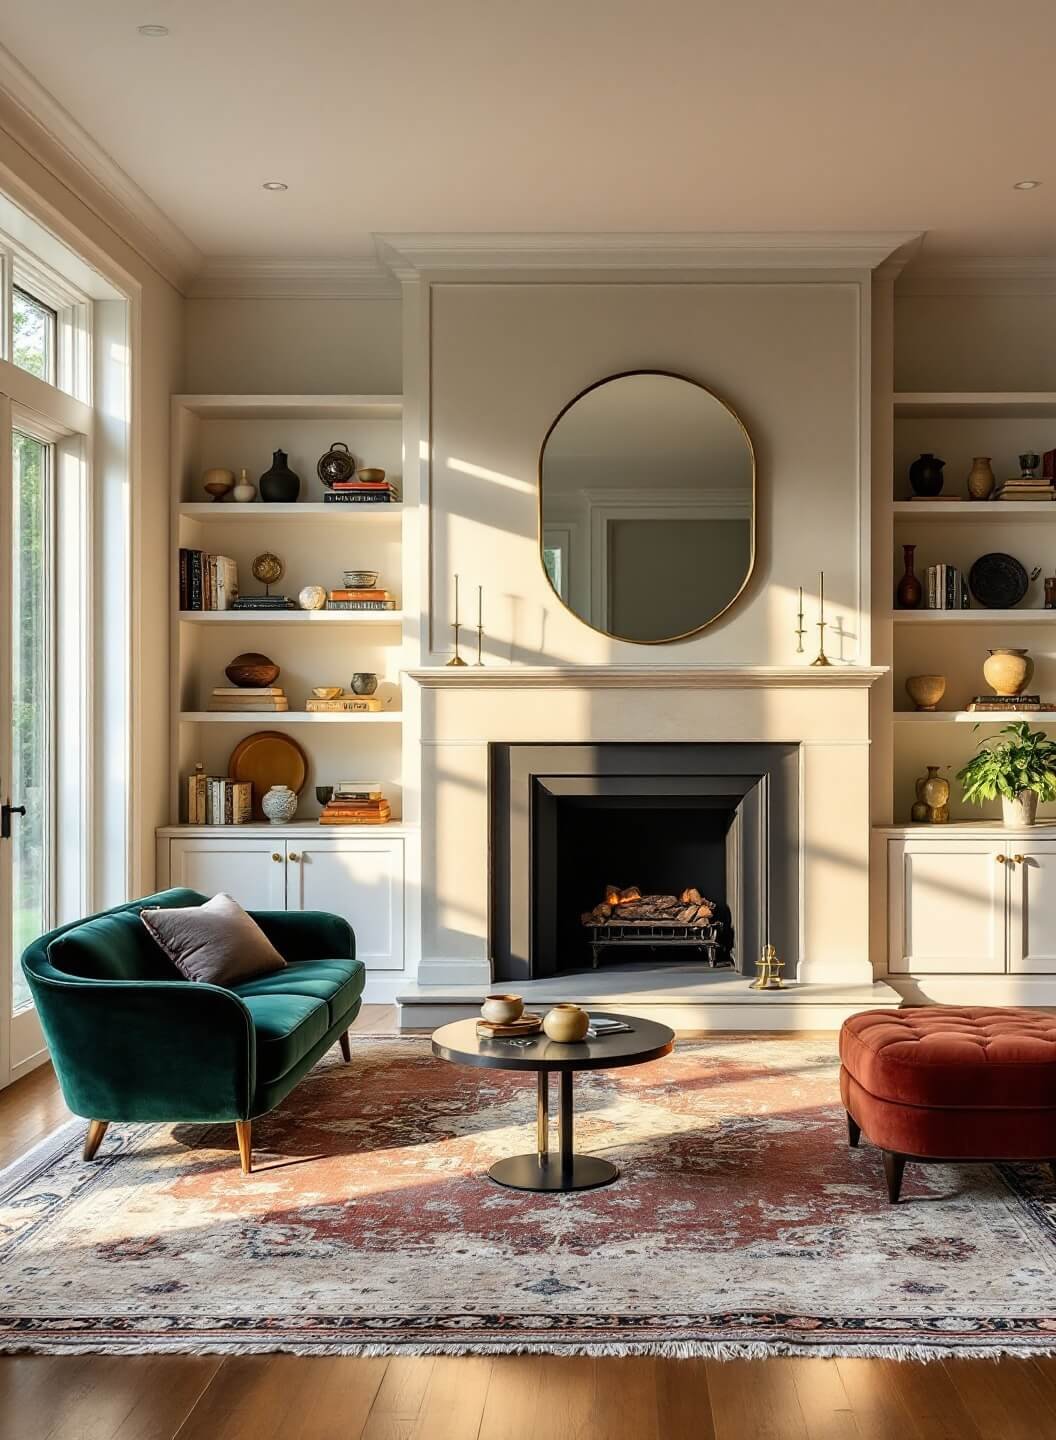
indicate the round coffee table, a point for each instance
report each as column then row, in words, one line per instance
column 461, row 1044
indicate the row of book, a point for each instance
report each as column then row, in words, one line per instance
column 1026, row 487
column 945, row 588
column 360, row 492
column 1002, row 704
column 207, row 582
column 217, row 800
column 356, row 802
column 360, row 600
column 250, row 699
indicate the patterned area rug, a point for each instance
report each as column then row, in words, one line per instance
column 741, row 1224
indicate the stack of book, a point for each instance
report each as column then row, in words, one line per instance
column 358, row 492
column 360, row 600
column 207, row 582
column 1026, row 487
column 945, row 588
column 343, row 705
column 999, row 704
column 251, row 699
column 263, row 602
column 216, row 800
column 356, row 802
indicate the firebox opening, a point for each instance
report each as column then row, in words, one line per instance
column 663, row 848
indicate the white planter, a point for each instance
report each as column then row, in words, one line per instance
column 1023, row 810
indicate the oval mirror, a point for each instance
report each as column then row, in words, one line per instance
column 647, row 506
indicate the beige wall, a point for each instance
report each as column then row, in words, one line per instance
column 158, row 370
column 505, row 359
column 293, row 347
column 975, row 342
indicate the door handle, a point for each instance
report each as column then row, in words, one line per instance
column 6, row 811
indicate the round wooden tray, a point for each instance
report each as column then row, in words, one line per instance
column 267, row 758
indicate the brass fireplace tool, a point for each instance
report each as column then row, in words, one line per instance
column 456, row 658
column 768, row 971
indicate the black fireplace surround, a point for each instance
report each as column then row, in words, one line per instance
column 567, row 820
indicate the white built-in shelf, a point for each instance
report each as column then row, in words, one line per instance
column 292, row 407
column 296, row 829
column 301, row 510
column 986, row 510
column 292, row 617
column 292, row 717
column 973, row 717
column 976, row 405
column 973, row 617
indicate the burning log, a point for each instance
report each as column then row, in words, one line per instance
column 692, row 896
column 629, row 906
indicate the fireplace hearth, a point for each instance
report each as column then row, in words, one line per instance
column 708, row 832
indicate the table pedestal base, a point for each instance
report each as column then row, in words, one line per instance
column 543, row 1171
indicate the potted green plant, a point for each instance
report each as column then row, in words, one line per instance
column 1021, row 769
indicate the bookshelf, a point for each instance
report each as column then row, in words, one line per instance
column 317, row 542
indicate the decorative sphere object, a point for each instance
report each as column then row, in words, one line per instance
column 566, row 1024
column 926, row 690
column 217, row 482
column 312, row 597
column 253, row 670
column 268, row 568
column 364, row 682
column 279, row 804
column 1008, row 672
column 502, row 1009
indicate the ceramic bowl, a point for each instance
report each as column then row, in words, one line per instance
column 370, row 475
column 361, row 579
column 502, row 1009
column 567, row 1024
column 218, row 482
column 926, row 690
column 364, row 682
column 326, row 692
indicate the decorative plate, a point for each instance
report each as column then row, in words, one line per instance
column 998, row 581
column 268, row 758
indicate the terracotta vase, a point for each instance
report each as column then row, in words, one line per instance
column 981, row 478
column 910, row 591
column 1008, row 672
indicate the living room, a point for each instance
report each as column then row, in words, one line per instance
column 486, row 794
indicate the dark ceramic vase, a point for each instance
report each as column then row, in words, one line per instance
column 910, row 592
column 280, row 485
column 925, row 475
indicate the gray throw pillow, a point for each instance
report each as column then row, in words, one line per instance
column 216, row 943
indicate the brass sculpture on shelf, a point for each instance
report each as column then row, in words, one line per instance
column 768, row 971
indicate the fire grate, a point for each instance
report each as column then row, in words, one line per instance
column 661, row 933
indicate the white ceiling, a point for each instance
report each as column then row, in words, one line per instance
column 564, row 115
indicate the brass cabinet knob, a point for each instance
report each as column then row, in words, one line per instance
column 276, row 856
column 1017, row 859
column 294, row 856
column 1000, row 859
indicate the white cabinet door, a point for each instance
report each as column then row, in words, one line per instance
column 948, row 907
column 359, row 878
column 252, row 870
column 1032, row 907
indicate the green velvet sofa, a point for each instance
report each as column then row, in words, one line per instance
column 132, row 1040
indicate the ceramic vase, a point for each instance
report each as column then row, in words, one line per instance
column 502, row 1009
column 981, row 478
column 279, row 804
column 935, row 793
column 1008, row 672
column 925, row 475
column 280, row 485
column 245, row 492
column 926, row 690
column 1021, row 810
column 364, row 682
column 566, row 1024
column 910, row 592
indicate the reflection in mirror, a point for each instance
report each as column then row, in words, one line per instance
column 647, row 507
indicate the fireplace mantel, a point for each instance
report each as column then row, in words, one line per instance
column 667, row 677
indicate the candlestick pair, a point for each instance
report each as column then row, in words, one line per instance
column 800, row 630
column 456, row 658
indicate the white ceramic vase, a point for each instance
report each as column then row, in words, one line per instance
column 1022, row 810
column 279, row 804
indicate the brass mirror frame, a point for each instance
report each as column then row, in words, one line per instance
column 670, row 375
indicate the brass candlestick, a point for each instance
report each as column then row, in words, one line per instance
column 456, row 658
column 480, row 625
column 768, row 971
column 800, row 629
column 822, row 659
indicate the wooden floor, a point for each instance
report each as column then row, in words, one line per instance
column 284, row 1397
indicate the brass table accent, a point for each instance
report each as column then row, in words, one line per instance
column 768, row 968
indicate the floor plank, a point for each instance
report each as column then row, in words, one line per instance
column 756, row 1398
column 30, row 1109
column 398, row 1402
column 683, row 1398
column 823, row 1400
column 1007, row 1399
column 100, row 1397
column 879, row 1411
column 933, row 1408
column 454, row 1399
column 295, row 1397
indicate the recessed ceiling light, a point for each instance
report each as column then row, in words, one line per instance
column 1026, row 185
column 153, row 32
column 274, row 185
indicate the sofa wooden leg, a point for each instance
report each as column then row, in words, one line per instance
column 346, row 1047
column 854, row 1131
column 894, row 1165
column 244, row 1130
column 94, row 1138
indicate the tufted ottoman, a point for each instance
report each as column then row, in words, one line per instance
column 943, row 1083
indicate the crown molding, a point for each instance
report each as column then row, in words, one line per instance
column 37, row 121
column 409, row 255
column 252, row 278
column 980, row 275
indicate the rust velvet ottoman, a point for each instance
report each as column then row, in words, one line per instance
column 940, row 1082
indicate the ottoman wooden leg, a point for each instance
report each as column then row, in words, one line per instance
column 894, row 1165
column 854, row 1131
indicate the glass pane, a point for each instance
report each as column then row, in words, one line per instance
column 30, row 833
column 34, row 335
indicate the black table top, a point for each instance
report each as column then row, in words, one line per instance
column 647, row 1040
